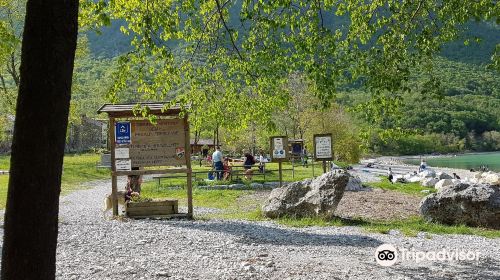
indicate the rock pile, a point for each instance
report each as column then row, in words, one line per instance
column 311, row 197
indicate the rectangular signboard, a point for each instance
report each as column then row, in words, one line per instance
column 122, row 153
column 157, row 145
column 323, row 147
column 123, row 164
column 122, row 133
column 279, row 145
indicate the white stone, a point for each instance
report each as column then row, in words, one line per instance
column 429, row 182
column 414, row 179
column 492, row 179
column 398, row 178
column 427, row 173
column 443, row 183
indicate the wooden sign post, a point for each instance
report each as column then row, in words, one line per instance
column 279, row 153
column 139, row 147
column 323, row 148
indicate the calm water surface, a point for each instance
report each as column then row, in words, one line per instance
column 467, row 161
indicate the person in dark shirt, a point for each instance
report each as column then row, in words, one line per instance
column 249, row 162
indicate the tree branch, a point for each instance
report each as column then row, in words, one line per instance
column 11, row 68
column 320, row 14
column 4, row 87
column 219, row 9
column 416, row 11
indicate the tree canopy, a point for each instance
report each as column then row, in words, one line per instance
column 231, row 59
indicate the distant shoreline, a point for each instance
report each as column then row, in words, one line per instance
column 444, row 155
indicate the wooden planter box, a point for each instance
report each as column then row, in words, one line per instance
column 152, row 209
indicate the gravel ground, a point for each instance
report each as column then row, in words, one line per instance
column 92, row 247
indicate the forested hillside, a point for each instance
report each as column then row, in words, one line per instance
column 458, row 111
column 461, row 115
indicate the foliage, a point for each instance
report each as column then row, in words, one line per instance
column 11, row 16
column 204, row 198
column 459, row 114
column 226, row 57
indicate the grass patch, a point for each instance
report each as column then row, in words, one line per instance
column 4, row 162
column 414, row 225
column 4, row 181
column 408, row 227
column 221, row 199
column 236, row 204
column 77, row 169
column 408, row 188
column 320, row 222
column 254, row 215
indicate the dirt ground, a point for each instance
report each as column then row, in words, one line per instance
column 376, row 204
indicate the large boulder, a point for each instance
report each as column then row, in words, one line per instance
column 443, row 183
column 311, row 197
column 473, row 205
column 429, row 182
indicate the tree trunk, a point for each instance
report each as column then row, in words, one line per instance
column 31, row 216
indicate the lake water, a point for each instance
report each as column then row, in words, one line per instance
column 467, row 161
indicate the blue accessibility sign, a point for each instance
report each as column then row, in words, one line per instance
column 122, row 133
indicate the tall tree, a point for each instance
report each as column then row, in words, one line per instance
column 31, row 217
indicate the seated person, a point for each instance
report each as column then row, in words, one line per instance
column 134, row 183
column 133, row 187
column 249, row 162
column 227, row 169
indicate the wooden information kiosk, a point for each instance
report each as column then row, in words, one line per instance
column 139, row 147
column 323, row 148
column 279, row 153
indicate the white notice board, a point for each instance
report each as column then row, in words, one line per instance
column 278, row 151
column 279, row 146
column 123, row 164
column 122, row 153
column 323, row 147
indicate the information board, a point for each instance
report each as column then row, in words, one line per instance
column 279, row 145
column 157, row 145
column 123, row 165
column 323, row 147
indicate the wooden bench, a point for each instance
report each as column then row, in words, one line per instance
column 166, row 176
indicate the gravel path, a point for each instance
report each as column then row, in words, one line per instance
column 92, row 247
